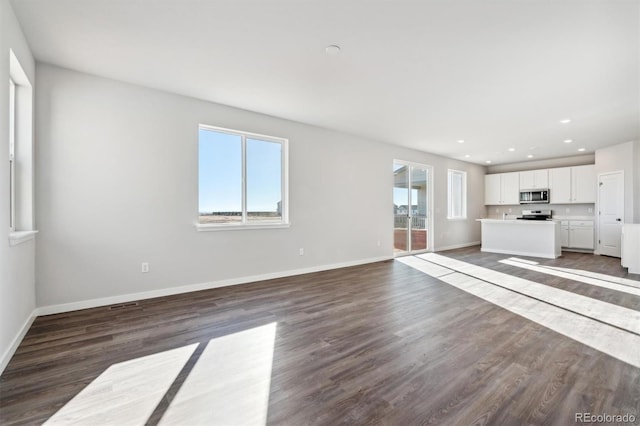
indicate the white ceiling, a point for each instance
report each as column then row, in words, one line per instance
column 497, row 74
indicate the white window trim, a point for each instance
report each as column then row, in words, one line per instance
column 463, row 216
column 207, row 227
column 21, row 226
column 266, row 224
column 20, row 237
column 12, row 150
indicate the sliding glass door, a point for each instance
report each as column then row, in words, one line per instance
column 411, row 207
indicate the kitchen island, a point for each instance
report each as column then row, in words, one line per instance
column 537, row 238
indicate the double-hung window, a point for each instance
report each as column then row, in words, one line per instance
column 20, row 153
column 12, row 155
column 457, row 194
column 242, row 180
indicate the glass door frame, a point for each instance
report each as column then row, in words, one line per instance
column 430, row 196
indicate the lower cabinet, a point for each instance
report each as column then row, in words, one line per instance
column 577, row 234
column 564, row 233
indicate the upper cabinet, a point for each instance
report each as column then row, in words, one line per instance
column 567, row 185
column 572, row 185
column 534, row 179
column 492, row 190
column 584, row 184
column 501, row 188
column 560, row 185
column 510, row 188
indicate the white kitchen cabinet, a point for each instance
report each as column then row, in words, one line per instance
column 577, row 234
column 510, row 188
column 492, row 190
column 534, row 179
column 584, row 184
column 581, row 234
column 564, row 233
column 560, row 185
column 573, row 185
column 502, row 188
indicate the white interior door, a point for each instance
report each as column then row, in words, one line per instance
column 611, row 212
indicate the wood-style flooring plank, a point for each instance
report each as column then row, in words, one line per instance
column 374, row 344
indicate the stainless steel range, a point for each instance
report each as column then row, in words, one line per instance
column 536, row 215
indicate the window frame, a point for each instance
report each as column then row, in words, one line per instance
column 463, row 195
column 284, row 183
column 12, row 151
column 21, row 148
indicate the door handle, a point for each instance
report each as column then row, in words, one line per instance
column 618, row 220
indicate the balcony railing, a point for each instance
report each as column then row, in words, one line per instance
column 417, row 222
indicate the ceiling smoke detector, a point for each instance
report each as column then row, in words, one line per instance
column 332, row 49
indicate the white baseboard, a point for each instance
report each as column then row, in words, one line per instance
column 105, row 301
column 6, row 356
column 577, row 250
column 457, row 246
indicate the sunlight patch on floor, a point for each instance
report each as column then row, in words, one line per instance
column 612, row 314
column 523, row 297
column 125, row 393
column 584, row 273
column 574, row 276
column 229, row 385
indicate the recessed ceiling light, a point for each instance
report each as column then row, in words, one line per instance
column 568, row 140
column 332, row 49
column 511, row 149
column 581, row 149
column 467, row 156
column 488, row 161
column 565, row 121
column 460, row 141
column 530, row 156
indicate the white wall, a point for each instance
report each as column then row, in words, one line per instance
column 576, row 160
column 17, row 285
column 636, row 184
column 621, row 157
column 117, row 185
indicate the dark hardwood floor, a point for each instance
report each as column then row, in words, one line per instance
column 373, row 344
column 573, row 260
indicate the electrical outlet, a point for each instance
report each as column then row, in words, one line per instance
column 567, row 210
column 510, row 210
column 145, row 267
column 378, row 243
column 590, row 209
column 301, row 252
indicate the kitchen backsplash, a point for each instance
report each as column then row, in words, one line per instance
column 496, row 212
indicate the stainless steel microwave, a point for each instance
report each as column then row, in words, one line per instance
column 534, row 196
